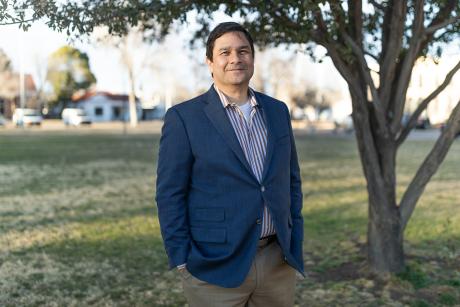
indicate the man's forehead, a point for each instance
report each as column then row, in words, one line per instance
column 228, row 40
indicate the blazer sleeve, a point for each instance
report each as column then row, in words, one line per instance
column 296, row 200
column 175, row 162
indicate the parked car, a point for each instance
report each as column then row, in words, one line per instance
column 22, row 117
column 423, row 123
column 75, row 117
column 345, row 124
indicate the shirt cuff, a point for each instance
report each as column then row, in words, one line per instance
column 181, row 266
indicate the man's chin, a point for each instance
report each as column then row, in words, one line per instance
column 239, row 81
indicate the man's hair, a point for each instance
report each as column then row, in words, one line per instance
column 221, row 29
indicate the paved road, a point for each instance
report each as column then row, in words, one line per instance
column 57, row 126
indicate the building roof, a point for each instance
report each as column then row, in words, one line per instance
column 81, row 96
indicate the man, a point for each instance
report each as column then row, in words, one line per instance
column 228, row 188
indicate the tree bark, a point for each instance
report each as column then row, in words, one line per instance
column 385, row 231
column 378, row 157
column 384, row 234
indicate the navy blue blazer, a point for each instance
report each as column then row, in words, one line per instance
column 210, row 203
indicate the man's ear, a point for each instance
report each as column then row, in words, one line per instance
column 209, row 63
column 210, row 66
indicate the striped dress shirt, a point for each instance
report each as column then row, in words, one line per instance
column 252, row 136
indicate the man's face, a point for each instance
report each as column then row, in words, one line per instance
column 232, row 63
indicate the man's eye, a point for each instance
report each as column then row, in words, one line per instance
column 225, row 53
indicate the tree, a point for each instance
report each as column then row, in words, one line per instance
column 133, row 53
column 68, row 72
column 40, row 64
column 391, row 35
column 6, row 76
column 5, row 62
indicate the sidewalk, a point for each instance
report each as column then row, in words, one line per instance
column 56, row 125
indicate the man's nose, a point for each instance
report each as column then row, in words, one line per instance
column 235, row 57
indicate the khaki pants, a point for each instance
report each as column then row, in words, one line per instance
column 270, row 283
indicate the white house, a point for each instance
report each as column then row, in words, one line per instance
column 104, row 106
column 426, row 77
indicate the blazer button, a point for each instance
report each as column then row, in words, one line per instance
column 258, row 221
column 262, row 188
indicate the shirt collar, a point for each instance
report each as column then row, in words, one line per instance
column 226, row 103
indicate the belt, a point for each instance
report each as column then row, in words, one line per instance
column 266, row 240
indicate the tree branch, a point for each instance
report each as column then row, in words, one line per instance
column 429, row 166
column 18, row 22
column 373, row 56
column 338, row 13
column 321, row 37
column 443, row 14
column 391, row 48
column 355, row 20
column 407, row 66
column 424, row 104
column 366, row 72
column 377, row 5
column 432, row 29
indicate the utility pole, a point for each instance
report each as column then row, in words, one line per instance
column 22, row 89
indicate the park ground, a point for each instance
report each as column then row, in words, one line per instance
column 79, row 227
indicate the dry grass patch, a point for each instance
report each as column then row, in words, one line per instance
column 78, row 226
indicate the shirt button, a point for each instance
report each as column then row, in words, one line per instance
column 258, row 221
column 262, row 188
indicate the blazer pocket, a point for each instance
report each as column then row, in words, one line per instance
column 208, row 214
column 211, row 235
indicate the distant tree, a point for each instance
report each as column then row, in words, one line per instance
column 5, row 62
column 68, row 72
column 133, row 53
column 6, row 91
column 40, row 65
column 307, row 98
column 356, row 34
column 319, row 100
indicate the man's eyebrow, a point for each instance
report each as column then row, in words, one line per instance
column 239, row 47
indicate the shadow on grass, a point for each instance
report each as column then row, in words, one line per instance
column 106, row 261
column 81, row 148
column 81, row 214
column 336, row 249
column 129, row 242
column 337, row 191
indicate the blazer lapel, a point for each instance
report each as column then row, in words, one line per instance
column 215, row 111
column 270, row 119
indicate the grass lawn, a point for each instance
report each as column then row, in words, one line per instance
column 78, row 225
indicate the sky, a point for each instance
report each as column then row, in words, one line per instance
column 162, row 69
column 35, row 45
column 157, row 69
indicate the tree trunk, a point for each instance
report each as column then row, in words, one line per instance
column 378, row 157
column 385, row 231
column 132, row 99
column 132, row 110
column 384, row 237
